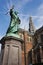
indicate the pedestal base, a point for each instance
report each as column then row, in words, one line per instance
column 11, row 51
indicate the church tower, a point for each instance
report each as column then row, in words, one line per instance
column 31, row 26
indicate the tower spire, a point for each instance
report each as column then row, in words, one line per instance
column 31, row 26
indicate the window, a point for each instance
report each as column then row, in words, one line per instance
column 21, row 35
column 42, row 38
column 39, row 40
column 29, row 39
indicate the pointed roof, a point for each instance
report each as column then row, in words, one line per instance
column 31, row 26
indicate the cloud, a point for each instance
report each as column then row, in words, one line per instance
column 24, row 22
column 38, row 18
column 1, row 37
column 38, row 22
column 40, row 10
column 21, row 4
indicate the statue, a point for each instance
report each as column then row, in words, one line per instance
column 14, row 24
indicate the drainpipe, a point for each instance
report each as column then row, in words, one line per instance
column 24, row 47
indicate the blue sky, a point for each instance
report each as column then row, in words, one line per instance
column 25, row 9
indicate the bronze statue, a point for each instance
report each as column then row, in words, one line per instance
column 14, row 23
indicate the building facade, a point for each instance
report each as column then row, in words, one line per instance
column 35, row 56
column 26, row 46
column 27, row 36
column 32, row 48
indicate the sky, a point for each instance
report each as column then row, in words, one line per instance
column 25, row 9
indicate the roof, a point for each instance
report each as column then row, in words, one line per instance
column 39, row 30
column 23, row 30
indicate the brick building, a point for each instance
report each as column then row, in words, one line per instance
column 27, row 36
column 32, row 48
column 35, row 56
column 26, row 46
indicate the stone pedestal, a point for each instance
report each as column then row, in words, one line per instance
column 11, row 51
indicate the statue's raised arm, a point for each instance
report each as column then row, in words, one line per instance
column 14, row 23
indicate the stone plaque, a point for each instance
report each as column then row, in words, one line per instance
column 5, row 55
column 14, row 56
